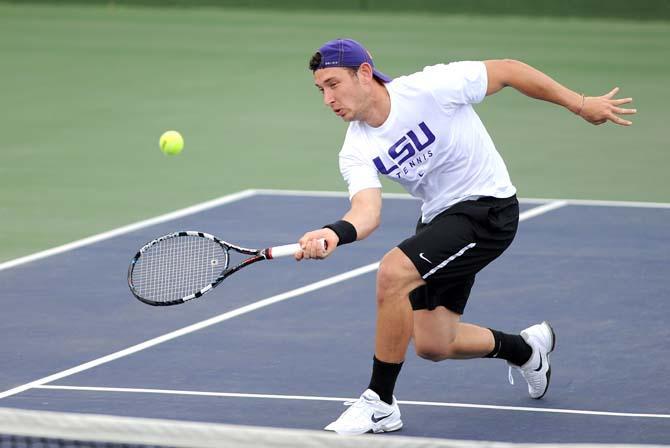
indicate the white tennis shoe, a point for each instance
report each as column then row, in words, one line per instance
column 537, row 370
column 367, row 414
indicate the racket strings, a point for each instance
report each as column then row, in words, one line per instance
column 177, row 268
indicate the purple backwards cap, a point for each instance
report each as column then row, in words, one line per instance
column 347, row 53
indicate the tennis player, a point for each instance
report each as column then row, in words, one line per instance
column 422, row 131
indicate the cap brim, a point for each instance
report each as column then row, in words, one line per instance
column 382, row 77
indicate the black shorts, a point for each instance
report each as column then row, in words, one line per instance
column 450, row 250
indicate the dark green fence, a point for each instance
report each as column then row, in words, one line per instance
column 623, row 9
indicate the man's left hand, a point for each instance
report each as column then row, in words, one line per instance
column 600, row 109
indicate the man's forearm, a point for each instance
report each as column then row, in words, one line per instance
column 531, row 82
column 365, row 219
column 365, row 212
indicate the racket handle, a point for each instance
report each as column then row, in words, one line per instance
column 287, row 250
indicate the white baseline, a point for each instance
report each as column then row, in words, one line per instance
column 317, row 398
column 586, row 202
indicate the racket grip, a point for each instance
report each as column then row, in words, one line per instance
column 288, row 250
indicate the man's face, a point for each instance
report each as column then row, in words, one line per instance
column 342, row 91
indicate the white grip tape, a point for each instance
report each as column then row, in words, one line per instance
column 289, row 249
column 284, row 251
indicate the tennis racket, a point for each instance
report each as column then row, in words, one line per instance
column 181, row 266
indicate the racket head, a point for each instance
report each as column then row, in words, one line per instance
column 177, row 267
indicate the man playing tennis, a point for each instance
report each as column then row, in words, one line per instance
column 421, row 131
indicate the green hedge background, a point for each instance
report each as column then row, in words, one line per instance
column 623, row 9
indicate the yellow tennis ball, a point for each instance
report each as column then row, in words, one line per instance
column 171, row 143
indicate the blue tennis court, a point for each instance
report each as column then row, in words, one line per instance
column 283, row 344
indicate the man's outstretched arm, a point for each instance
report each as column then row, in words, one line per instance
column 535, row 84
column 364, row 215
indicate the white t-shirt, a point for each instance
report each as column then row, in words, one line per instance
column 432, row 143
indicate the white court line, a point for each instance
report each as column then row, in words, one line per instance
column 128, row 228
column 537, row 211
column 317, row 398
column 591, row 202
column 222, row 317
column 600, row 203
column 325, row 194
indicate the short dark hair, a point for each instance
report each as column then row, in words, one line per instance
column 315, row 62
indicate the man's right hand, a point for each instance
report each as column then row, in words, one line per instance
column 312, row 247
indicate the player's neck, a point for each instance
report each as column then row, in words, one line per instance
column 379, row 107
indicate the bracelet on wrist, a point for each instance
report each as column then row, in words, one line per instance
column 345, row 231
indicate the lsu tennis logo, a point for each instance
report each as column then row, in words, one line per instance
column 410, row 148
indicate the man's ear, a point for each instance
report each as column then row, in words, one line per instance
column 364, row 72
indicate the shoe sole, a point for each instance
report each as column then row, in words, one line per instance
column 391, row 428
column 395, row 427
column 553, row 346
column 380, row 429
